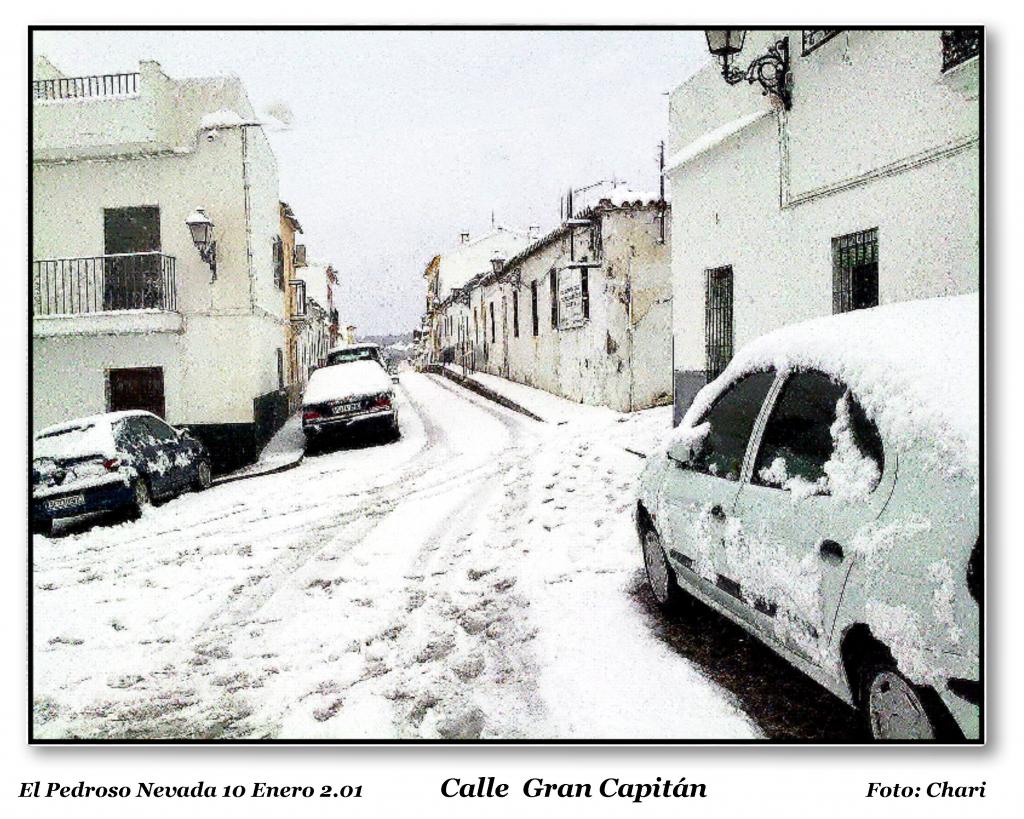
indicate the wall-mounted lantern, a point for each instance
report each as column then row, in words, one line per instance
column 201, row 228
column 497, row 262
column 770, row 71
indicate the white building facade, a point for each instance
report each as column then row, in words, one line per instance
column 125, row 311
column 865, row 191
column 584, row 312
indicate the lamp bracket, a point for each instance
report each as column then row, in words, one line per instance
column 770, row 71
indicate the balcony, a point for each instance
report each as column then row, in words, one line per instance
column 958, row 46
column 122, row 292
column 74, row 88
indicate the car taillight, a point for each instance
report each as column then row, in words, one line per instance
column 382, row 400
column 310, row 415
column 976, row 572
column 111, row 464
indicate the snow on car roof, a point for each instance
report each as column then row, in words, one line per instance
column 914, row 366
column 343, row 380
column 360, row 346
column 80, row 437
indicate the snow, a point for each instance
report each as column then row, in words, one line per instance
column 711, row 139
column 475, row 578
column 221, row 118
column 356, row 378
column 913, row 366
column 81, row 438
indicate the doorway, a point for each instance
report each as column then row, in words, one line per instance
column 136, row 388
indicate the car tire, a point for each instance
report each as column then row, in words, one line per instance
column 43, row 527
column 895, row 709
column 141, row 498
column 660, row 578
column 204, row 476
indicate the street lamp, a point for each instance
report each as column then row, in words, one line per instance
column 770, row 71
column 497, row 262
column 201, row 227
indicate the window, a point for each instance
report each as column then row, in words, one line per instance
column 278, row 263
column 515, row 313
column 280, row 368
column 492, row 321
column 158, row 429
column 717, row 320
column 554, row 299
column 132, row 272
column 799, row 439
column 959, row 45
column 814, row 37
column 730, row 422
column 476, row 328
column 299, row 291
column 855, row 271
column 533, row 304
column 585, row 291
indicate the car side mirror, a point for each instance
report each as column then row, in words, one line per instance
column 690, row 446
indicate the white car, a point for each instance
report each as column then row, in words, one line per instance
column 824, row 492
column 344, row 397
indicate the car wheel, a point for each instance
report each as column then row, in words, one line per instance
column 660, row 577
column 141, row 499
column 204, row 476
column 896, row 709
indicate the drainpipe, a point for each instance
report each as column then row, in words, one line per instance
column 246, row 197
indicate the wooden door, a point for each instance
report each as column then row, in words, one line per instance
column 139, row 388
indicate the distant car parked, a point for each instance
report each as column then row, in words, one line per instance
column 349, row 396
column 823, row 492
column 347, row 353
column 116, row 462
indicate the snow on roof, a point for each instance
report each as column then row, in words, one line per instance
column 361, row 345
column 222, row 118
column 705, row 142
column 914, row 367
column 344, row 380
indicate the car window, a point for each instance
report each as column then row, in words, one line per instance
column 818, row 440
column 729, row 423
column 161, row 431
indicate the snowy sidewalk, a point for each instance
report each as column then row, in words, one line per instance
column 643, row 431
column 284, row 451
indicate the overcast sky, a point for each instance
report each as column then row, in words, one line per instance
column 402, row 139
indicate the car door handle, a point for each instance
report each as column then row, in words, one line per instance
column 717, row 512
column 830, row 551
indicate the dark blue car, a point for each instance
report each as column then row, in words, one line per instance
column 119, row 462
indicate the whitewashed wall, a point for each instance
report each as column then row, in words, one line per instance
column 876, row 137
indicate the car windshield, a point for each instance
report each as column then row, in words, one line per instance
column 358, row 354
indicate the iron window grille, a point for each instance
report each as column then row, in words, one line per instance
column 814, row 37
column 515, row 313
column 717, row 320
column 278, row 263
column 959, row 45
column 533, row 305
column 554, row 299
column 855, row 271
column 491, row 310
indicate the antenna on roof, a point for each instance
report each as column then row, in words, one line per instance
column 492, row 217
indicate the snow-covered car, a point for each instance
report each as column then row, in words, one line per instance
column 115, row 462
column 348, row 353
column 341, row 397
column 824, row 493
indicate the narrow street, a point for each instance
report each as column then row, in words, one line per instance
column 478, row 578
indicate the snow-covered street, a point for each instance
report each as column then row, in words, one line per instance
column 478, row 578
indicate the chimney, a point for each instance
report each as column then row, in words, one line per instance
column 533, row 232
column 463, row 238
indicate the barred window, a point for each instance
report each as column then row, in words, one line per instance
column 554, row 299
column 814, row 37
column 278, row 263
column 959, row 45
column 585, row 291
column 717, row 320
column 855, row 271
column 515, row 313
column 533, row 304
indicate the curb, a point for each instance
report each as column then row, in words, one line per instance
column 475, row 386
column 231, row 478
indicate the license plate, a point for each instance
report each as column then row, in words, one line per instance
column 67, row 502
column 341, row 409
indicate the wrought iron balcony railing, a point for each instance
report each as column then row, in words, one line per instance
column 100, row 85
column 959, row 45
column 102, row 284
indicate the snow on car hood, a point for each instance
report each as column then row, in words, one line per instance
column 344, row 380
column 914, row 367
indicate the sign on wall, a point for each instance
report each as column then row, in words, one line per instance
column 570, row 299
